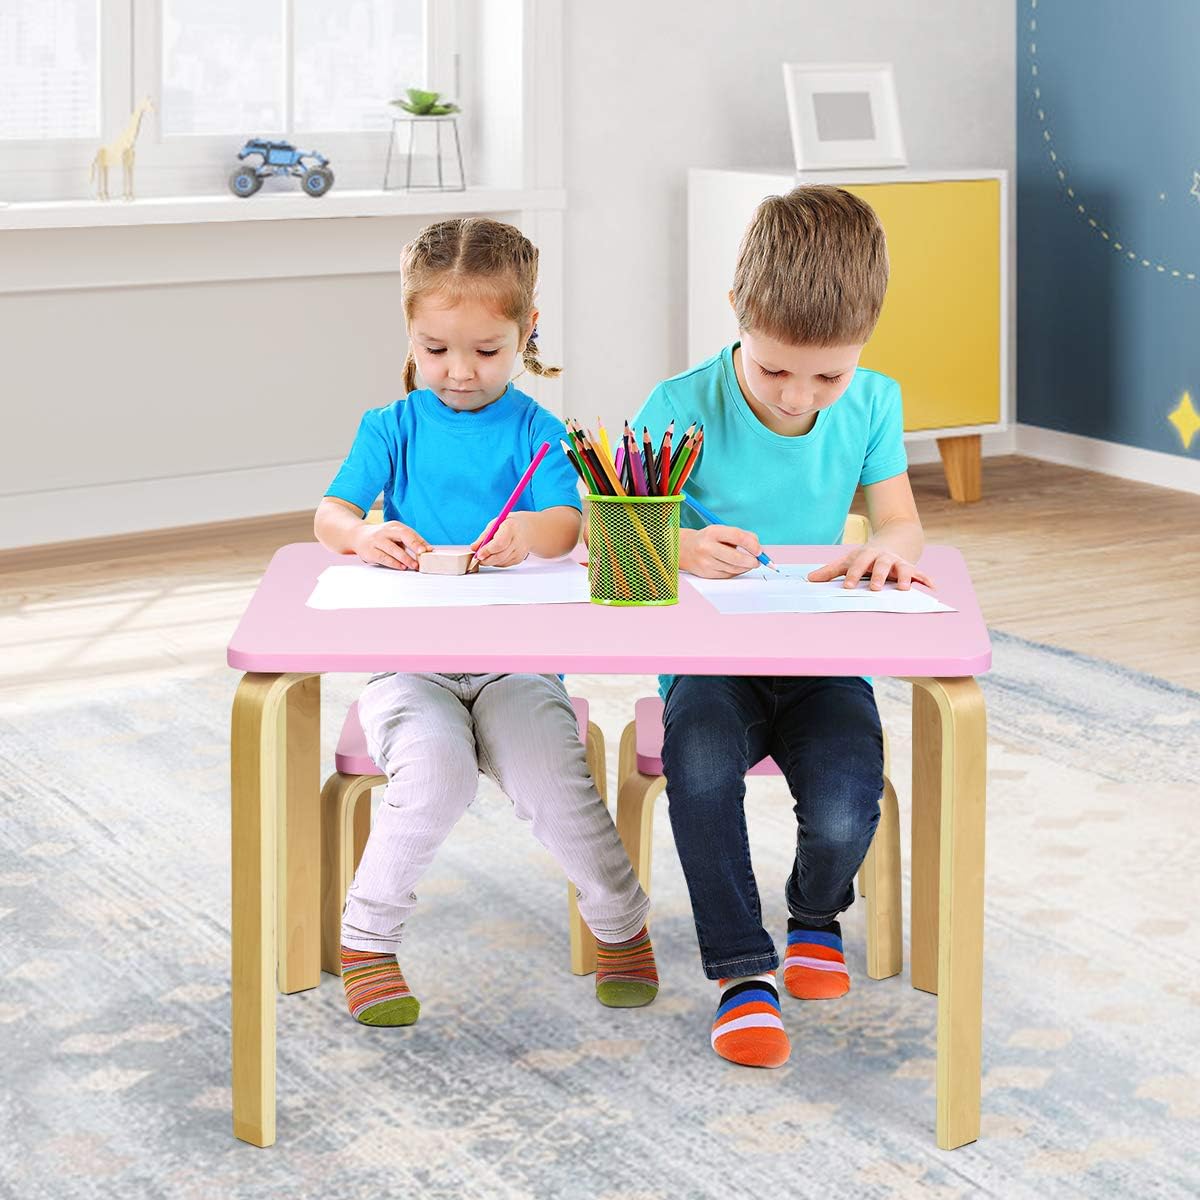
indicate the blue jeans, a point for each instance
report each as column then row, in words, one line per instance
column 825, row 736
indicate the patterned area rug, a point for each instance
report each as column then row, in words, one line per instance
column 114, row 1008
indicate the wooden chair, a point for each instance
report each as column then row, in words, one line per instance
column 640, row 781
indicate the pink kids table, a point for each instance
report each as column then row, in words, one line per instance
column 284, row 647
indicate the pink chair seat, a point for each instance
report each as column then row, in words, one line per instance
column 351, row 757
column 648, row 716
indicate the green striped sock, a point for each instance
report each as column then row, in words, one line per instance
column 375, row 989
column 626, row 976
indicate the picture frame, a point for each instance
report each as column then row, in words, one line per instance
column 843, row 115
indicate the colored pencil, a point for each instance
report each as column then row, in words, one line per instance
column 592, row 458
column 664, row 462
column 522, row 484
column 634, row 459
column 680, row 457
column 607, row 467
column 682, row 470
column 648, row 455
column 690, row 465
column 574, row 433
column 712, row 518
column 602, row 444
column 580, row 469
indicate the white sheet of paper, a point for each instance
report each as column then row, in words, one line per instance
column 788, row 591
column 535, row 581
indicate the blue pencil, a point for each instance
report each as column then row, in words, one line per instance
column 712, row 518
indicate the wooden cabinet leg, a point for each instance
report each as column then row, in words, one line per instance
column 962, row 461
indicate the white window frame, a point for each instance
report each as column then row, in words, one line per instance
column 130, row 67
column 115, row 65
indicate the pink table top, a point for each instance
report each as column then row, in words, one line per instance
column 279, row 633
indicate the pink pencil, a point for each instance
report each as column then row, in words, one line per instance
column 522, row 483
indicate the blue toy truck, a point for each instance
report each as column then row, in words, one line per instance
column 279, row 158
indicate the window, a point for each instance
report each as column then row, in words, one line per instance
column 225, row 68
column 222, row 67
column 349, row 55
column 317, row 73
column 49, row 69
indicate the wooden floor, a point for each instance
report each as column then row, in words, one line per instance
column 1062, row 556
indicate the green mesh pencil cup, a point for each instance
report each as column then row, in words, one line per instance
column 633, row 550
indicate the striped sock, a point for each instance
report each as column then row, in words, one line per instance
column 626, row 976
column 814, row 967
column 375, row 989
column 748, row 1028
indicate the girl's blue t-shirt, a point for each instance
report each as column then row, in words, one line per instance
column 447, row 473
column 787, row 490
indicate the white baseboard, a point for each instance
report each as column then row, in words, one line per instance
column 1089, row 454
column 1110, row 458
column 107, row 510
column 924, row 450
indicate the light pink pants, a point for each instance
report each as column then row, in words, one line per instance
column 432, row 735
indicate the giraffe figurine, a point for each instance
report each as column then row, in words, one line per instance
column 121, row 150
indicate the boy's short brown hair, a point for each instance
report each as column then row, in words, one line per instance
column 812, row 268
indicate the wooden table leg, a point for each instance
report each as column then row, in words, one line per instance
column 926, row 839
column 949, row 789
column 258, row 755
column 299, row 943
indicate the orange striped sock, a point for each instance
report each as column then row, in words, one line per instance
column 375, row 989
column 814, row 967
column 626, row 975
column 748, row 1028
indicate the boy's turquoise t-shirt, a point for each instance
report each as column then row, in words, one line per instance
column 787, row 490
column 447, row 473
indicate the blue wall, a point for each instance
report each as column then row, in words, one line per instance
column 1107, row 346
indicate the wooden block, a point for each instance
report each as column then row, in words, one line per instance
column 444, row 562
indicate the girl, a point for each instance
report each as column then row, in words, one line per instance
column 446, row 458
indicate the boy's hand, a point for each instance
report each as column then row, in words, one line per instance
column 510, row 545
column 390, row 545
column 881, row 565
column 713, row 552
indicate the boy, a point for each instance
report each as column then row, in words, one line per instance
column 791, row 427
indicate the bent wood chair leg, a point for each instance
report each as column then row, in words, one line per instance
column 583, row 943
column 885, row 926
column 636, row 794
column 345, row 824
column 258, row 748
column 879, row 883
column 887, row 774
column 950, row 746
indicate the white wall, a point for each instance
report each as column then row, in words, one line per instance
column 655, row 88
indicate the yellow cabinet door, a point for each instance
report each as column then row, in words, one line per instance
column 939, row 333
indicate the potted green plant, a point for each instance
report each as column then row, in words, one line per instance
column 425, row 104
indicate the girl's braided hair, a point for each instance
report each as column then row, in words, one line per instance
column 477, row 257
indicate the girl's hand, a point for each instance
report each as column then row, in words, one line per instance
column 718, row 551
column 510, row 545
column 390, row 545
column 881, row 565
